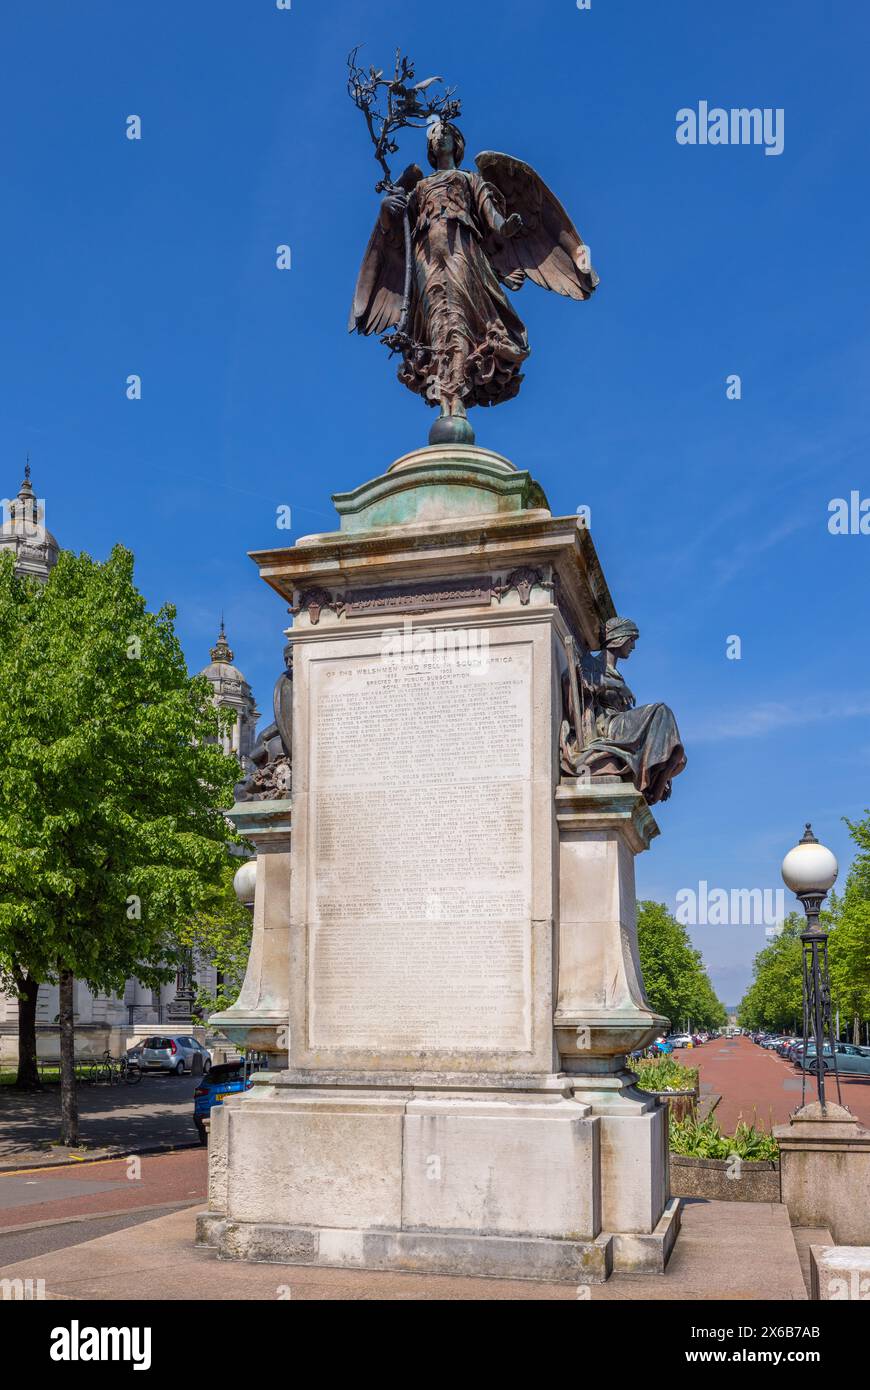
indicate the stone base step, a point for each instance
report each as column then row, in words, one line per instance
column 804, row 1237
column 726, row 1250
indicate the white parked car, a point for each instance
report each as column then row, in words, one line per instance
column 680, row 1040
column 178, row 1052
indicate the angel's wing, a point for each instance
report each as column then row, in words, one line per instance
column 548, row 248
column 380, row 285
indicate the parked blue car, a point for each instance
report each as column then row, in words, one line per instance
column 226, row 1079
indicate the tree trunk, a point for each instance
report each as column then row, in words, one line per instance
column 856, row 1030
column 69, row 1110
column 28, row 1070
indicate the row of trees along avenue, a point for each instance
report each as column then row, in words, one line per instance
column 774, row 1000
column 112, row 784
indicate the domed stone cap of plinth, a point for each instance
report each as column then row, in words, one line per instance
column 835, row 1124
column 812, row 1113
column 440, row 483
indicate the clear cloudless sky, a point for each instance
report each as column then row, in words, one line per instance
column 710, row 516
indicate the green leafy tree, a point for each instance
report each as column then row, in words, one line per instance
column 860, row 832
column 849, row 942
column 775, row 997
column 675, row 979
column 219, row 932
column 111, row 784
column 849, row 955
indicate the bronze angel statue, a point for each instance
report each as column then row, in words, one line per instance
column 466, row 237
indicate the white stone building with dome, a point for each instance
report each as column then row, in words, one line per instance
column 231, row 691
column 102, row 1020
column 24, row 532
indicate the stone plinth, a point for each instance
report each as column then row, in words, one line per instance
column 457, row 920
column 840, row 1273
column 259, row 1019
column 825, row 1171
column 602, row 1012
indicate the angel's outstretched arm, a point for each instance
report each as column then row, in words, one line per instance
column 549, row 247
column 490, row 210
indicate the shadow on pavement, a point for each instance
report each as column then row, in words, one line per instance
column 157, row 1112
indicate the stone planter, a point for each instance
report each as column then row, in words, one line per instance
column 725, row 1180
column 680, row 1103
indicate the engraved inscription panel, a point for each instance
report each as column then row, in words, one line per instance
column 420, row 854
column 418, row 597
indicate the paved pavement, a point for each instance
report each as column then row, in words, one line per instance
column 124, row 1228
column 757, row 1085
column 28, row 1242
column 730, row 1250
column 155, row 1114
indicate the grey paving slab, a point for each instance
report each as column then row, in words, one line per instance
column 731, row 1250
column 20, row 1191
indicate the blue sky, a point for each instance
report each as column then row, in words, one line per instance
column 157, row 257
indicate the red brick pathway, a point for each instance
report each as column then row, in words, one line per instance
column 757, row 1085
column 82, row 1189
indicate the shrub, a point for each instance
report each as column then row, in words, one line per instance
column 664, row 1074
column 703, row 1139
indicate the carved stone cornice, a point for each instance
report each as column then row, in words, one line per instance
column 267, row 824
column 582, row 805
column 446, row 554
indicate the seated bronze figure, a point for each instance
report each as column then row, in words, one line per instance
column 605, row 734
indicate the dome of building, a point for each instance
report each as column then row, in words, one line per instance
column 24, row 532
column 232, row 691
column 219, row 672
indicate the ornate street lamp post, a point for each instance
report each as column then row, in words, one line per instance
column 809, row 870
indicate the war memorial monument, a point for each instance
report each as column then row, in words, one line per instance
column 447, row 808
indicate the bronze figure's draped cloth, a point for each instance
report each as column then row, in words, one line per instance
column 470, row 343
column 616, row 737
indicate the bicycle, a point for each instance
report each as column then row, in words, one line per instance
column 115, row 1069
column 131, row 1071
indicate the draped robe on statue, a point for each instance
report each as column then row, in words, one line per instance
column 619, row 737
column 471, row 343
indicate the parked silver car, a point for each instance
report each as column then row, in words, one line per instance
column 850, row 1059
column 178, row 1052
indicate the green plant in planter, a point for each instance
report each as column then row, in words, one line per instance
column 695, row 1138
column 664, row 1074
column 752, row 1143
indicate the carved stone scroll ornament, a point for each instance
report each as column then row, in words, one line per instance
column 610, row 735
